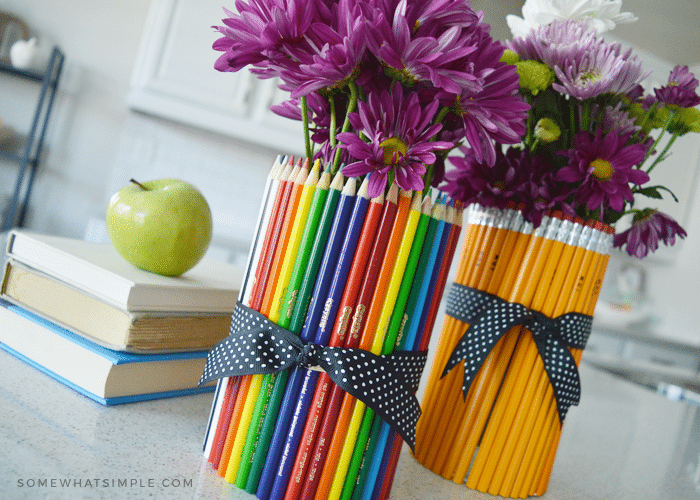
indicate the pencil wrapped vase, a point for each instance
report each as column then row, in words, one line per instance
column 505, row 369
column 317, row 379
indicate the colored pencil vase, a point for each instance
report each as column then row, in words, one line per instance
column 504, row 372
column 333, row 322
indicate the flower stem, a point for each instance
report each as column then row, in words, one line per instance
column 656, row 143
column 334, row 122
column 352, row 105
column 662, row 156
column 305, row 121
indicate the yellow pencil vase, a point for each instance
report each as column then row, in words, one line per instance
column 497, row 393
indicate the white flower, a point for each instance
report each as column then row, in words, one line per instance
column 600, row 15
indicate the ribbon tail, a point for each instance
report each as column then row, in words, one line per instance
column 386, row 384
column 562, row 371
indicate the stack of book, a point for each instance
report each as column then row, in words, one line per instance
column 83, row 315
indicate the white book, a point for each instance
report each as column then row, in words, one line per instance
column 98, row 269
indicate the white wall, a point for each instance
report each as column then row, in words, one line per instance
column 96, row 144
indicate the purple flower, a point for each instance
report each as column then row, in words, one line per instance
column 426, row 42
column 600, row 71
column 335, row 51
column 473, row 181
column 515, row 178
column 399, row 133
column 496, row 112
column 603, row 167
column 263, row 33
column 616, row 119
column 648, row 228
column 680, row 90
column 553, row 44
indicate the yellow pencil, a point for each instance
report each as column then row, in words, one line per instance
column 440, row 440
column 524, row 288
column 438, row 389
column 456, row 438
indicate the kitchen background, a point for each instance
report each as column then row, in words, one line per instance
column 139, row 97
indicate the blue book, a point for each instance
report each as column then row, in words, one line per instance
column 106, row 376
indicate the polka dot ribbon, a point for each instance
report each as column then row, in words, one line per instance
column 490, row 317
column 386, row 384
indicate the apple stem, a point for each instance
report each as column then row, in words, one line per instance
column 138, row 184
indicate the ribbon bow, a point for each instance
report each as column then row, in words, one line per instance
column 490, row 317
column 386, row 384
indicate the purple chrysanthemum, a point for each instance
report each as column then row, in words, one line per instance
column 426, row 42
column 263, row 33
column 399, row 133
column 497, row 112
column 680, row 89
column 553, row 44
column 604, row 168
column 473, row 181
column 335, row 51
column 515, row 178
column 615, row 119
column 649, row 227
column 600, row 71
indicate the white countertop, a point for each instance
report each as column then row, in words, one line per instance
column 623, row 442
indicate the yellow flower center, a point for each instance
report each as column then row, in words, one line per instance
column 602, row 169
column 391, row 146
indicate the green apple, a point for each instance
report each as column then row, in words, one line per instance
column 162, row 226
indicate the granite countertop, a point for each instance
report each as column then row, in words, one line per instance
column 623, row 442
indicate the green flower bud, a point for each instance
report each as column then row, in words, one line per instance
column 534, row 76
column 510, row 57
column 649, row 119
column 686, row 120
column 547, row 130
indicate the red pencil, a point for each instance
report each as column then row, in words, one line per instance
column 347, row 303
column 272, row 235
column 276, row 265
column 352, row 340
column 224, row 418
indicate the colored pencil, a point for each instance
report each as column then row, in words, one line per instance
column 337, row 339
column 300, row 218
column 279, row 209
column 338, row 460
column 270, row 289
column 294, row 324
column 329, row 287
column 288, row 416
column 425, row 285
column 213, row 441
column 378, row 320
column 352, row 340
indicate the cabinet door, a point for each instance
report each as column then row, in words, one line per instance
column 174, row 77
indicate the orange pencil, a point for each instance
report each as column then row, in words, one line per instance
column 279, row 208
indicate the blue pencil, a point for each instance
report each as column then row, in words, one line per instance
column 279, row 455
